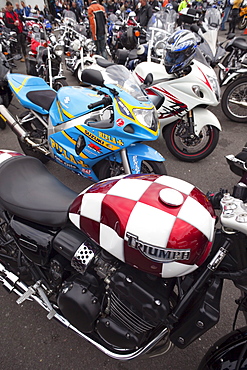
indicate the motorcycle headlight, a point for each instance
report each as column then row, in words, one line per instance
column 58, row 50
column 215, row 86
column 36, row 28
column 147, row 117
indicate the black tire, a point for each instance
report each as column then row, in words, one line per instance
column 242, row 23
column 106, row 169
column 189, row 149
column 234, row 95
column 59, row 83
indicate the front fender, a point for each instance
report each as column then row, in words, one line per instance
column 238, row 74
column 227, row 351
column 137, row 153
column 203, row 117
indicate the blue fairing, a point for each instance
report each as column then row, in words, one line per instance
column 140, row 152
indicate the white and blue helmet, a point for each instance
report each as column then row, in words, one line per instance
column 180, row 50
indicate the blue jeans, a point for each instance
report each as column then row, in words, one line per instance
column 225, row 17
column 101, row 46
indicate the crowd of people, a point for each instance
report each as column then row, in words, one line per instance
column 97, row 12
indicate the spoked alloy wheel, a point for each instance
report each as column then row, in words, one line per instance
column 189, row 148
column 234, row 100
column 108, row 169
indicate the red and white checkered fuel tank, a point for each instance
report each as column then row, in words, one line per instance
column 159, row 224
column 7, row 154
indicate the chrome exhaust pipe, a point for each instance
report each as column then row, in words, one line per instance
column 15, row 126
column 12, row 283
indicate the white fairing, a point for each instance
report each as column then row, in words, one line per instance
column 179, row 92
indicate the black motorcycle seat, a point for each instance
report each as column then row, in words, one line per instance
column 103, row 62
column 240, row 43
column 28, row 190
column 42, row 98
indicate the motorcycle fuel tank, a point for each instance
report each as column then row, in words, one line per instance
column 159, row 224
column 71, row 102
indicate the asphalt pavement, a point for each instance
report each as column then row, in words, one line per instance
column 28, row 340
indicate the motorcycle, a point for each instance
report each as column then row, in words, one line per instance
column 243, row 16
column 190, row 130
column 8, row 41
column 69, row 28
column 236, row 49
column 94, row 132
column 161, row 25
column 6, row 65
column 46, row 61
column 234, row 97
column 80, row 55
column 135, row 265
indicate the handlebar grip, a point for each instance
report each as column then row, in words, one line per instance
column 105, row 101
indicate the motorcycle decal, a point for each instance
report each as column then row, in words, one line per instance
column 17, row 89
column 110, row 138
column 176, row 107
column 123, row 110
column 69, row 165
column 94, row 147
column 157, row 254
column 62, row 112
column 205, row 79
column 120, row 213
column 120, row 122
column 66, row 100
column 63, row 152
column 101, row 140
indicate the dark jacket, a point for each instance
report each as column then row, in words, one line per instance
column 144, row 14
column 97, row 20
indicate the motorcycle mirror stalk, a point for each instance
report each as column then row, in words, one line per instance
column 94, row 77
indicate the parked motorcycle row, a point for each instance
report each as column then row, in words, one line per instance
column 135, row 263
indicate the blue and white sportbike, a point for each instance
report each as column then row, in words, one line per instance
column 93, row 131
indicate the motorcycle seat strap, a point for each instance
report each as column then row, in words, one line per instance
column 42, row 98
column 28, row 190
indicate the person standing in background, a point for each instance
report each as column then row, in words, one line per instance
column 97, row 20
column 18, row 10
column 234, row 14
column 182, row 5
column 25, row 9
column 13, row 22
column 227, row 9
column 144, row 13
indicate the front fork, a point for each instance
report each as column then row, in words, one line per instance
column 191, row 131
